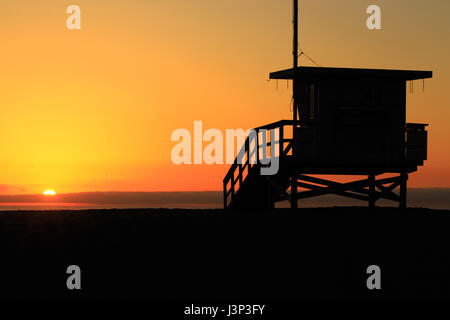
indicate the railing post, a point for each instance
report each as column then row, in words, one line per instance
column 247, row 146
column 264, row 146
column 240, row 175
column 225, row 195
column 281, row 141
column 257, row 147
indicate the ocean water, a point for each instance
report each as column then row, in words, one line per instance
column 419, row 198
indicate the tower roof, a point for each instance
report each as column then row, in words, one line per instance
column 308, row 72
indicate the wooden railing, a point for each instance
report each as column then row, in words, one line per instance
column 250, row 158
column 416, row 142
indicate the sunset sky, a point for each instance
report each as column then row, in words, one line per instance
column 94, row 109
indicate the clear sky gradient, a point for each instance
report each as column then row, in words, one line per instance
column 93, row 110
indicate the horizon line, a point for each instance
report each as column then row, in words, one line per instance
column 182, row 191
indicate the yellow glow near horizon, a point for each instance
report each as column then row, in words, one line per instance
column 94, row 109
column 49, row 193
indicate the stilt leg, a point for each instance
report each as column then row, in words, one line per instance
column 270, row 203
column 294, row 204
column 371, row 191
column 403, row 189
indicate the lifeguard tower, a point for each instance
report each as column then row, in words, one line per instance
column 346, row 121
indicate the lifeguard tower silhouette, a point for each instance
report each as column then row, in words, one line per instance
column 346, row 122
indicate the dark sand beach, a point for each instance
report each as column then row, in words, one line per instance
column 209, row 254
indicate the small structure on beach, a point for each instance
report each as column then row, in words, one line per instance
column 346, row 121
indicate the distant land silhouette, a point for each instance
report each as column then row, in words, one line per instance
column 438, row 198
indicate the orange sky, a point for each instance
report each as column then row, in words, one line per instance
column 93, row 110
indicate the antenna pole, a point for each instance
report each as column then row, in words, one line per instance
column 295, row 44
column 295, row 54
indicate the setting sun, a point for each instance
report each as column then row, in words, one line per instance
column 49, row 193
